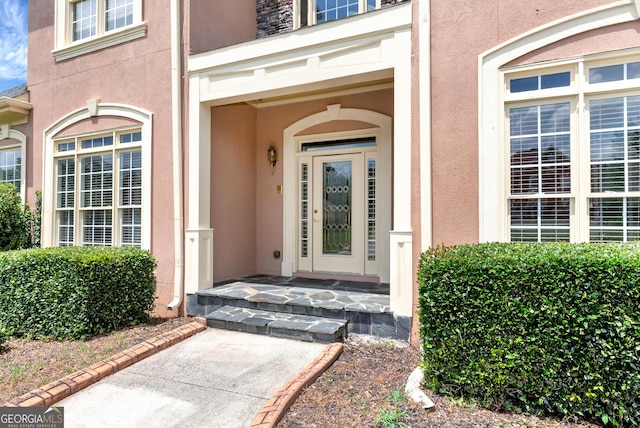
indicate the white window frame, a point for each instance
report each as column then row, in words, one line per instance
column 52, row 138
column 21, row 145
column 77, row 154
column 311, row 6
column 66, row 48
column 579, row 93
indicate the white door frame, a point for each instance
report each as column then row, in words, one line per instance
column 381, row 130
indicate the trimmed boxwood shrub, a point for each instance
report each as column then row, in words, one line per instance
column 539, row 328
column 14, row 219
column 74, row 292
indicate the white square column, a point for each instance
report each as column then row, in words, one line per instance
column 199, row 234
column 401, row 235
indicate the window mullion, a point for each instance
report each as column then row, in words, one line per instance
column 101, row 16
column 115, row 197
column 581, row 178
column 77, row 217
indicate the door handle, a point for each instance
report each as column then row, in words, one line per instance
column 315, row 219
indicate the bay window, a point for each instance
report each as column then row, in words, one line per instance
column 573, row 144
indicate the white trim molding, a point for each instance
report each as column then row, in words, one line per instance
column 336, row 54
column 65, row 48
column 492, row 204
column 14, row 111
column 144, row 117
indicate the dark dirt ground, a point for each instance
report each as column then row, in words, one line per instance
column 29, row 364
column 357, row 388
column 353, row 392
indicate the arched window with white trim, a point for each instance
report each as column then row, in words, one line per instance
column 97, row 183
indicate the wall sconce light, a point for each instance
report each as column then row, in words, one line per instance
column 272, row 157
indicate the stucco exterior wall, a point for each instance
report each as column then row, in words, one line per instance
column 233, row 191
column 271, row 122
column 615, row 37
column 136, row 73
column 217, row 23
column 460, row 32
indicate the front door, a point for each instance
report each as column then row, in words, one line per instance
column 338, row 214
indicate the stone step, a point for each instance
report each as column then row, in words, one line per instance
column 277, row 324
column 364, row 313
column 298, row 300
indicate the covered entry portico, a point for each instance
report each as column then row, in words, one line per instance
column 309, row 79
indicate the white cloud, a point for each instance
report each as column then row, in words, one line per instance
column 13, row 39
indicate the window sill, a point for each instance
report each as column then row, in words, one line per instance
column 100, row 42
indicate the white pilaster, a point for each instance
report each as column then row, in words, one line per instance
column 199, row 235
column 401, row 293
column 401, row 266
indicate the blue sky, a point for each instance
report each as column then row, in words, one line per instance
column 13, row 43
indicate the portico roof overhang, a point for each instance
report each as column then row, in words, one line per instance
column 343, row 53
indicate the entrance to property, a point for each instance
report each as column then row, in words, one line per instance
column 337, row 198
column 337, row 206
column 337, row 229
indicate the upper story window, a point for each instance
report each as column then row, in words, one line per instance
column 84, row 26
column 313, row 12
column 573, row 146
column 92, row 16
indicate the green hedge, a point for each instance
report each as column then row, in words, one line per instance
column 539, row 328
column 14, row 219
column 74, row 292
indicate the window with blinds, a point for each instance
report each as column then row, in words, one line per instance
column 540, row 172
column 573, row 144
column 11, row 167
column 99, row 190
column 614, row 141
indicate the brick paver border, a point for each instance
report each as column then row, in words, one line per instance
column 60, row 389
column 276, row 407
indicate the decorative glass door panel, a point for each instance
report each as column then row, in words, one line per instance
column 336, row 207
column 338, row 213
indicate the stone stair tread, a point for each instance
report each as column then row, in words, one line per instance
column 297, row 311
column 233, row 313
column 301, row 296
column 280, row 324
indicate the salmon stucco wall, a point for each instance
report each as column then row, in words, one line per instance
column 233, row 191
column 135, row 73
column 614, row 37
column 217, row 23
column 460, row 32
column 271, row 122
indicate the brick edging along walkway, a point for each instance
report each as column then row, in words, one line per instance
column 276, row 407
column 60, row 389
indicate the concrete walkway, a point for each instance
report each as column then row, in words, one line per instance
column 216, row 378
